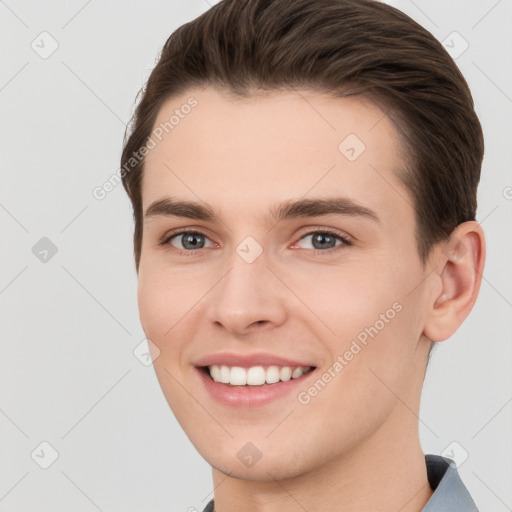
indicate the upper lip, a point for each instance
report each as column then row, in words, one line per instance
column 248, row 360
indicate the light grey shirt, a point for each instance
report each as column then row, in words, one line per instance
column 450, row 494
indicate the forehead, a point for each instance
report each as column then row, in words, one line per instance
column 272, row 147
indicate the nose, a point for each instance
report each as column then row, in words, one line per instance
column 248, row 298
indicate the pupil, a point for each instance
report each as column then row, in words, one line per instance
column 321, row 238
column 189, row 239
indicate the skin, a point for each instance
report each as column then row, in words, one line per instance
column 355, row 446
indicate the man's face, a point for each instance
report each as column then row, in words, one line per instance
column 287, row 287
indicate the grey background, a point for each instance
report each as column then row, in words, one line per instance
column 69, row 325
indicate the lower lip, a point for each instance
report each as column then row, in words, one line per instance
column 250, row 396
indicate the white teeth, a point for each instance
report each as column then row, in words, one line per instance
column 237, row 376
column 256, row 375
column 285, row 373
column 272, row 375
column 297, row 372
column 224, row 374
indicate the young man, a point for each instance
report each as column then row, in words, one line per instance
column 303, row 176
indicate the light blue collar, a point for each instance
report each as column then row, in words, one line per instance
column 450, row 494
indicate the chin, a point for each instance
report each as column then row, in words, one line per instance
column 269, row 464
column 262, row 471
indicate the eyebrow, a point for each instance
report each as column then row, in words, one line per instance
column 291, row 209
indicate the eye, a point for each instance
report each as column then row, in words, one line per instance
column 187, row 240
column 325, row 240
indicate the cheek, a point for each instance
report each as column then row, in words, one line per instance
column 348, row 299
column 170, row 303
column 152, row 306
column 368, row 317
column 370, row 354
column 164, row 309
column 162, row 301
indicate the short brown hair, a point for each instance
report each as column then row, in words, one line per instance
column 342, row 47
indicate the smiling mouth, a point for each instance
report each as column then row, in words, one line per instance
column 256, row 376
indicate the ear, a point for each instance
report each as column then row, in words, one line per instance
column 460, row 264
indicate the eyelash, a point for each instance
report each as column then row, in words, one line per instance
column 346, row 241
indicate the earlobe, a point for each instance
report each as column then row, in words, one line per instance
column 460, row 263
